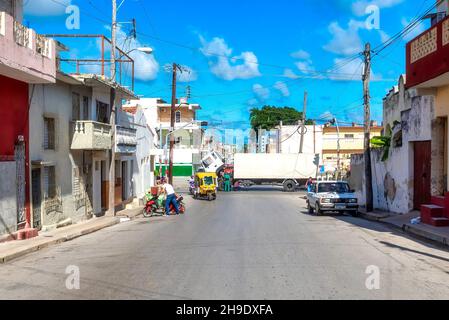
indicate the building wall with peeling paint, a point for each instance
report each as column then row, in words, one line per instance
column 409, row 118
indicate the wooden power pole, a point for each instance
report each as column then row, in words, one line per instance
column 303, row 128
column 367, row 122
column 172, row 122
column 111, row 198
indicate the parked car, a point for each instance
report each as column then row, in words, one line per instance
column 332, row 196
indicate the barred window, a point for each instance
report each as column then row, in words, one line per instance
column 86, row 115
column 50, row 182
column 49, row 133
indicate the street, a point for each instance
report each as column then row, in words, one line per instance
column 257, row 244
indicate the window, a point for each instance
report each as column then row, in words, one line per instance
column 50, row 182
column 49, row 133
column 338, row 187
column 178, row 116
column 76, row 107
column 102, row 112
column 349, row 136
column 86, row 115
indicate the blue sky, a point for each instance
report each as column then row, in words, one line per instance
column 244, row 54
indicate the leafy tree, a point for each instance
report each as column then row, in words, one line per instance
column 270, row 116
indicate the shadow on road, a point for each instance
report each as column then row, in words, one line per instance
column 392, row 245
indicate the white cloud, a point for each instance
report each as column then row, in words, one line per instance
column 224, row 65
column 283, row 88
column 146, row 67
column 359, row 7
column 288, row 73
column 351, row 71
column 305, row 63
column 45, row 7
column 188, row 74
column 305, row 66
column 345, row 41
column 301, row 54
column 261, row 93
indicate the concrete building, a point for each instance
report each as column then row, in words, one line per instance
column 188, row 135
column 146, row 152
column 339, row 145
column 26, row 58
column 397, row 187
column 70, row 144
column 428, row 73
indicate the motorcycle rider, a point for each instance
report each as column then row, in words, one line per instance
column 170, row 198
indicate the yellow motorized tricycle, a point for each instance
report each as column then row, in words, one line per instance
column 205, row 186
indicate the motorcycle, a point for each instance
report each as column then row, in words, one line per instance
column 152, row 207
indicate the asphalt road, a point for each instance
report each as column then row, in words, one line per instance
column 258, row 244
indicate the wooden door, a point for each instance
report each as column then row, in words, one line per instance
column 422, row 173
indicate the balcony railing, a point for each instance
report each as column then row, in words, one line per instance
column 22, row 35
column 91, row 135
column 125, row 140
column 43, row 45
column 2, row 23
column 427, row 56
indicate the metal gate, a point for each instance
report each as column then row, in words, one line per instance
column 19, row 155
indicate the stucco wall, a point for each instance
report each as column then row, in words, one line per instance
column 393, row 179
column 56, row 101
column 25, row 63
column 8, row 204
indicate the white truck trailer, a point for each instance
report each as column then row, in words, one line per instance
column 289, row 170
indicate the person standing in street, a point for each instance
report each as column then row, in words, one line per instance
column 170, row 198
column 227, row 182
column 309, row 184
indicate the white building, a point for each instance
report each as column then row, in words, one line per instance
column 188, row 134
column 70, row 143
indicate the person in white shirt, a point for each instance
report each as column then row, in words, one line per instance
column 170, row 198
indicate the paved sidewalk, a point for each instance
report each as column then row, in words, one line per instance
column 403, row 222
column 14, row 249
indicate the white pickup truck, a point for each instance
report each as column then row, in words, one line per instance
column 328, row 196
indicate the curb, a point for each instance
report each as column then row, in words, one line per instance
column 426, row 235
column 410, row 230
column 45, row 244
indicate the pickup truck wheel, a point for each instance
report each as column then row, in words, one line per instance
column 289, row 186
column 319, row 212
column 355, row 214
column 309, row 208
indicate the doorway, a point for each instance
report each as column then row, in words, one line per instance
column 422, row 173
column 36, row 197
column 124, row 180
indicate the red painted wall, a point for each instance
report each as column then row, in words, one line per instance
column 14, row 122
column 431, row 66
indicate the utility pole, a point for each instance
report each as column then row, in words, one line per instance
column 367, row 122
column 172, row 121
column 303, row 129
column 111, row 198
